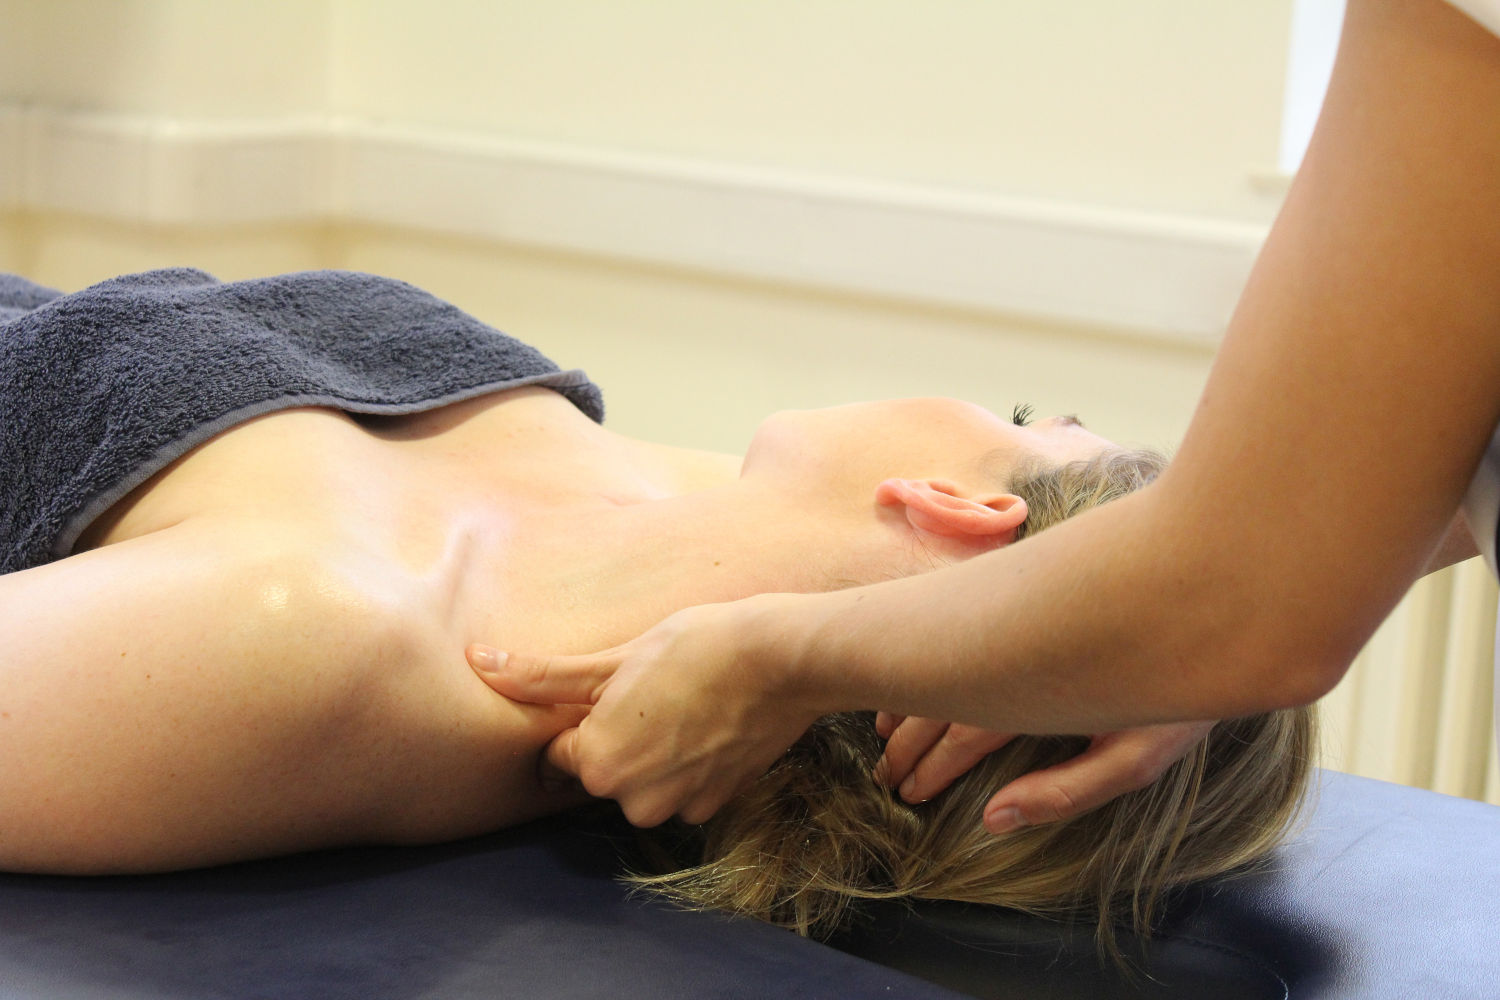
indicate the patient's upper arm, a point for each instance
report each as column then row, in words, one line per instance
column 196, row 695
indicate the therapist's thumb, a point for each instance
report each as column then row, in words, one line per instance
column 541, row 680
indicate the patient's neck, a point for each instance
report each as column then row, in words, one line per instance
column 620, row 567
column 608, row 535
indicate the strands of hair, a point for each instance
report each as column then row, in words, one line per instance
column 816, row 833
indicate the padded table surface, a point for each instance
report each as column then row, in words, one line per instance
column 1388, row 892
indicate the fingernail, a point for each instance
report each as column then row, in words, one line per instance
column 1007, row 820
column 882, row 773
column 909, row 790
column 487, row 657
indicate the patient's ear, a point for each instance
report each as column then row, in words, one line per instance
column 938, row 507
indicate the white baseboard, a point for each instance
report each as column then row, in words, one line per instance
column 1168, row 276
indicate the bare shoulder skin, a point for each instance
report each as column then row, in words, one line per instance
column 217, row 691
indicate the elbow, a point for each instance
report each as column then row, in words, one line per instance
column 1275, row 670
column 1249, row 664
column 1304, row 680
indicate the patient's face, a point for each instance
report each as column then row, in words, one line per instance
column 861, row 444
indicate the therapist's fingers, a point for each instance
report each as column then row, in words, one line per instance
column 543, row 680
column 886, row 723
column 909, row 740
column 960, row 748
column 561, row 757
column 1115, row 763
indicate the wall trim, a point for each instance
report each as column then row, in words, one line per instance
column 1169, row 276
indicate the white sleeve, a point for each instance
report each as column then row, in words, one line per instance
column 1482, row 502
column 1486, row 12
column 1482, row 510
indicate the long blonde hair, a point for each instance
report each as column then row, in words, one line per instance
column 816, row 832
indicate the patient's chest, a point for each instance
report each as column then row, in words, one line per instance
column 308, row 466
column 434, row 501
column 388, row 480
column 461, row 514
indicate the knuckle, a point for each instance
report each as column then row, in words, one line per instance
column 968, row 738
column 597, row 781
column 697, row 813
column 918, row 740
column 646, row 814
column 932, row 729
column 1057, row 803
column 896, row 767
column 898, row 751
column 534, row 670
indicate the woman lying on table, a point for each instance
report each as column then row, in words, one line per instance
column 249, row 529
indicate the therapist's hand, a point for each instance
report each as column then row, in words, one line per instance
column 924, row 756
column 681, row 719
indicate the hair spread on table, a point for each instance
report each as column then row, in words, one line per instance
column 817, row 833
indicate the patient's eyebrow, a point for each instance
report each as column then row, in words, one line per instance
column 1068, row 418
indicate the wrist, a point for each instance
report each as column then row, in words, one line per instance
column 781, row 640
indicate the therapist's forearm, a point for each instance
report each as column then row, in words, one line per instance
column 1076, row 630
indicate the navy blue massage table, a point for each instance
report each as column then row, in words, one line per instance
column 1387, row 892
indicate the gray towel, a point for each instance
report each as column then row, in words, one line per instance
column 103, row 388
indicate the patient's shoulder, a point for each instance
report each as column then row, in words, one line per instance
column 220, row 661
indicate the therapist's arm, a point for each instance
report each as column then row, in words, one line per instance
column 1355, row 390
column 923, row 757
column 1353, row 395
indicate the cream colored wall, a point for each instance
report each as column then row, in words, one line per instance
column 71, row 252
column 700, row 361
column 1159, row 104
column 168, row 57
column 1166, row 105
column 1156, row 104
column 11, row 252
column 686, row 358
